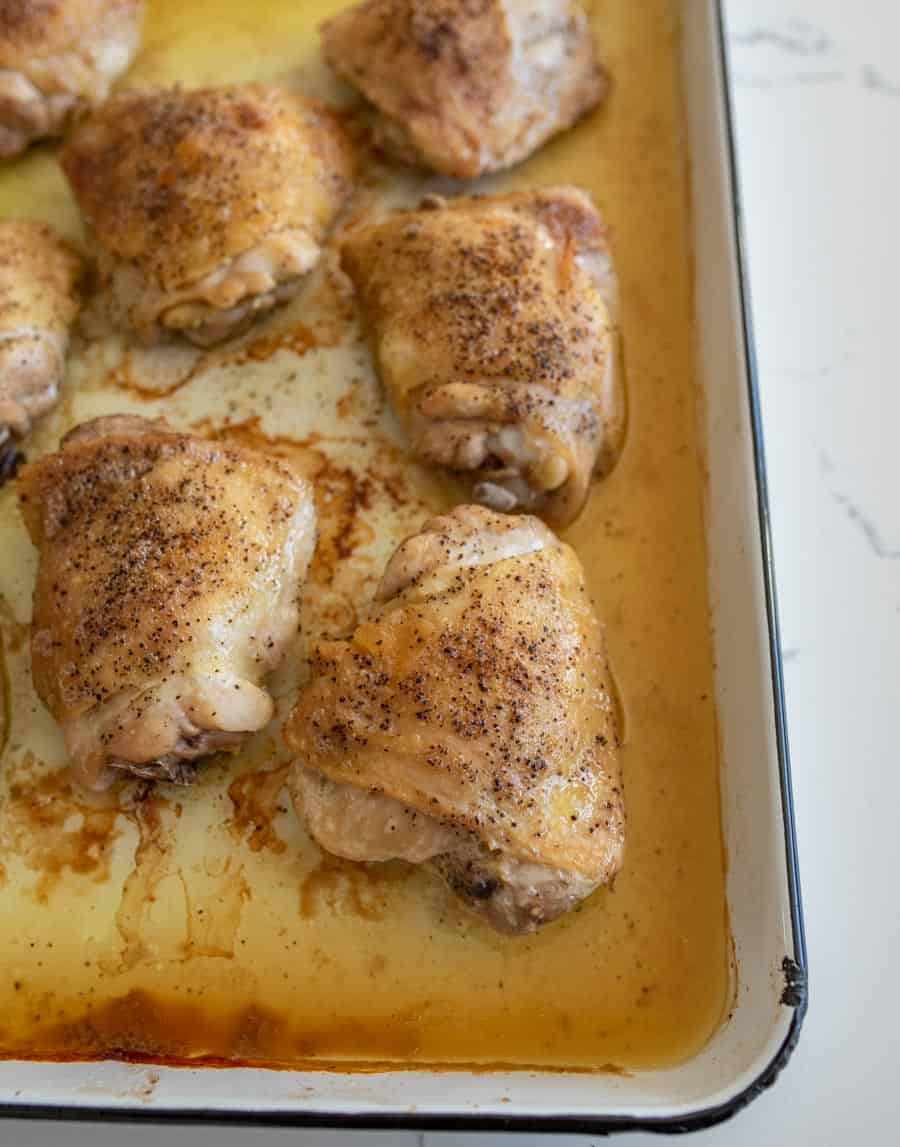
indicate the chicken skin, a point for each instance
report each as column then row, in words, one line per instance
column 465, row 87
column 207, row 207
column 168, row 578
column 57, row 59
column 490, row 324
column 470, row 723
column 38, row 302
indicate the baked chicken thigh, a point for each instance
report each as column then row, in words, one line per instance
column 206, row 207
column 470, row 723
column 168, row 577
column 490, row 324
column 38, row 302
column 57, row 58
column 467, row 86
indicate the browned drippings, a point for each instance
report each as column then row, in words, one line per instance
column 154, row 373
column 124, row 376
column 153, row 816
column 14, row 635
column 342, row 493
column 5, row 690
column 214, row 918
column 298, row 339
column 337, row 885
column 54, row 827
column 142, row 1027
column 255, row 801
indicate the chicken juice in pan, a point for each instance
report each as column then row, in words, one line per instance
column 170, row 923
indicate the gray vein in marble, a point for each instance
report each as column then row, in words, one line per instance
column 789, row 655
column 798, row 37
column 863, row 522
column 875, row 82
column 800, row 373
column 799, row 78
column 832, row 77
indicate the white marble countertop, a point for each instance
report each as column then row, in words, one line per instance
column 817, row 99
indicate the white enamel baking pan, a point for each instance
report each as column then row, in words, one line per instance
column 747, row 1053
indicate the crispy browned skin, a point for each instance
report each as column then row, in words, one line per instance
column 38, row 302
column 168, row 576
column 470, row 722
column 489, row 324
column 467, row 86
column 57, row 58
column 208, row 206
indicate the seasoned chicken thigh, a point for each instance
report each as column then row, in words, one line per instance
column 490, row 323
column 470, row 723
column 467, row 86
column 38, row 302
column 58, row 58
column 208, row 207
column 168, row 577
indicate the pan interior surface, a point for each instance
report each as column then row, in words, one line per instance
column 183, row 925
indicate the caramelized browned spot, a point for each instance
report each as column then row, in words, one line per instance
column 298, row 338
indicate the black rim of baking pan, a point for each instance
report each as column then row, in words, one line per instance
column 795, row 993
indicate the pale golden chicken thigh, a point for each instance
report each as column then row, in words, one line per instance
column 169, row 569
column 206, row 207
column 38, row 302
column 491, row 325
column 470, row 723
column 57, row 59
column 467, row 86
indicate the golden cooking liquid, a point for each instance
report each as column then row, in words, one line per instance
column 203, row 924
